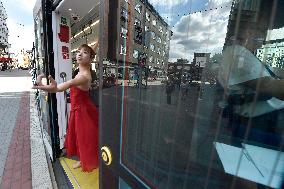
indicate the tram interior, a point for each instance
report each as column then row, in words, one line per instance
column 84, row 22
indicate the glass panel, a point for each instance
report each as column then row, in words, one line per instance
column 41, row 96
column 123, row 185
column 201, row 108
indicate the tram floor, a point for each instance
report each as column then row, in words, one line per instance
column 79, row 179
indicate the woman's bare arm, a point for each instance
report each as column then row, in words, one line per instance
column 53, row 87
column 268, row 85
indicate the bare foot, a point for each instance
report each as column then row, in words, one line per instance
column 77, row 165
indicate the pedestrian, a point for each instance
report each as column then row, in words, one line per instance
column 169, row 90
column 82, row 132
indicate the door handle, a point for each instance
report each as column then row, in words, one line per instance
column 106, row 155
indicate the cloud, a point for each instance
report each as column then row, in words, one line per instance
column 20, row 23
column 167, row 3
column 201, row 32
column 20, row 36
column 25, row 5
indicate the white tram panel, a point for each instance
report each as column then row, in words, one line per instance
column 63, row 64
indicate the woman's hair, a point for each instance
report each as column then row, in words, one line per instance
column 89, row 49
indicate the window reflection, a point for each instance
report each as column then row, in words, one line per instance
column 190, row 94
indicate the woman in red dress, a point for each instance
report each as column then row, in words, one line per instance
column 82, row 133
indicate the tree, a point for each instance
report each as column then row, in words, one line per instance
column 216, row 58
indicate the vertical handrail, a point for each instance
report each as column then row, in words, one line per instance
column 63, row 76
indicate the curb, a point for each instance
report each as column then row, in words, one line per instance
column 40, row 166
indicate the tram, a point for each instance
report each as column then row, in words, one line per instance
column 163, row 135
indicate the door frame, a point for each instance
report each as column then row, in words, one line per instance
column 110, row 135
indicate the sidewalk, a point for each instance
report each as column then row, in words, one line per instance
column 26, row 165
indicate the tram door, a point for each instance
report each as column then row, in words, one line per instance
column 174, row 130
column 43, row 64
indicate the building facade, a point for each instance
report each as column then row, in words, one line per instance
column 144, row 33
column 3, row 29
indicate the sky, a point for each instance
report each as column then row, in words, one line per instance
column 20, row 23
column 195, row 32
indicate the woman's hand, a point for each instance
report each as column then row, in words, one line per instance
column 52, row 87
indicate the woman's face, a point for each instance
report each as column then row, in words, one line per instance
column 83, row 56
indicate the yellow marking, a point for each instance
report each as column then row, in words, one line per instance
column 79, row 179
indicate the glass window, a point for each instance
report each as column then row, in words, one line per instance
column 158, row 61
column 152, row 47
column 154, row 22
column 208, row 118
column 124, row 15
column 150, row 58
column 161, row 29
column 135, row 53
column 148, row 16
column 147, row 28
column 123, row 32
column 158, row 50
column 137, row 22
column 159, row 40
column 138, row 8
column 122, row 49
column 153, row 34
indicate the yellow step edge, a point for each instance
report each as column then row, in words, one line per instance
column 79, row 179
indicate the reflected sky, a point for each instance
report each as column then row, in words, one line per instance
column 197, row 26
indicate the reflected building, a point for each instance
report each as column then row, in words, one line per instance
column 242, row 12
column 144, row 34
column 247, row 11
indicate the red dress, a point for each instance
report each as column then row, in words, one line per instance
column 82, row 139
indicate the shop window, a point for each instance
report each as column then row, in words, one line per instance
column 138, row 8
column 135, row 53
column 123, row 32
column 122, row 49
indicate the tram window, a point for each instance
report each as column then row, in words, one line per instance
column 193, row 112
